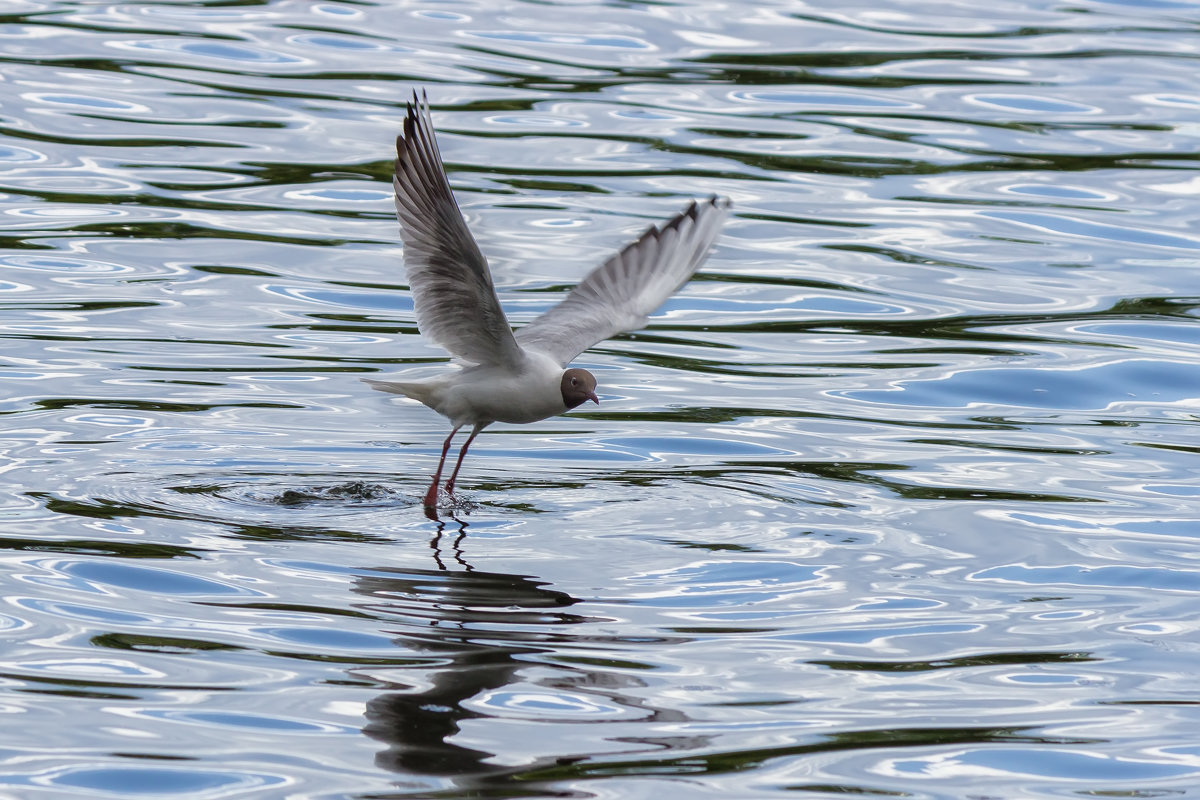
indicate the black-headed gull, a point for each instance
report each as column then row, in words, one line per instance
column 519, row 376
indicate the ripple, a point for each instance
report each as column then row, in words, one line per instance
column 1058, row 191
column 540, row 705
column 339, row 195
column 339, row 42
column 66, row 212
column 1055, row 764
column 661, row 449
column 156, row 580
column 44, row 184
column 332, row 338
column 331, row 297
column 308, row 509
column 333, row 641
column 1032, row 104
column 93, row 669
column 534, row 122
column 563, row 39
column 822, row 99
column 722, row 584
column 159, row 781
column 13, row 286
column 10, row 624
column 241, row 721
column 74, row 611
column 112, row 420
column 353, row 492
column 88, row 101
column 1099, row 386
column 1061, row 223
column 1172, row 100
column 447, row 16
column 218, row 51
column 14, row 154
column 1177, row 580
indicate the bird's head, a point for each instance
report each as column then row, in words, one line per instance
column 578, row 385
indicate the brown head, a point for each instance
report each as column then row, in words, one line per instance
column 578, row 385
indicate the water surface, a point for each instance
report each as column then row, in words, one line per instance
column 897, row 499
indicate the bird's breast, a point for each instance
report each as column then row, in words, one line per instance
column 495, row 395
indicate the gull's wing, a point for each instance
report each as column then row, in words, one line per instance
column 621, row 293
column 451, row 285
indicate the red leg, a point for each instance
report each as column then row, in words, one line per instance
column 450, row 483
column 432, row 492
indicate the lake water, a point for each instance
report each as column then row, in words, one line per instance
column 899, row 498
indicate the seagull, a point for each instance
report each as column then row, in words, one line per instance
column 518, row 376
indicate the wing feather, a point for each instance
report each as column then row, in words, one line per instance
column 455, row 299
column 621, row 293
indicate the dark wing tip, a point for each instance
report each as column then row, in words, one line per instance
column 717, row 201
column 692, row 212
column 416, row 128
column 696, row 206
column 414, row 110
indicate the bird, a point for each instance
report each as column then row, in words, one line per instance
column 519, row 376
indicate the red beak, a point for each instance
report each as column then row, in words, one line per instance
column 593, row 398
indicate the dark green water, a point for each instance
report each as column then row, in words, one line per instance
column 899, row 498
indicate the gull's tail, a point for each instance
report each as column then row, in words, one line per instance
column 422, row 391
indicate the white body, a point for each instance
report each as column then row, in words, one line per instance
column 478, row 395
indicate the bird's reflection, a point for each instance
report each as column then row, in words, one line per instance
column 472, row 633
column 455, row 540
column 445, row 614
